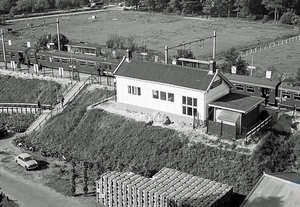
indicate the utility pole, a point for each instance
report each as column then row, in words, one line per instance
column 58, row 37
column 214, row 46
column 4, row 52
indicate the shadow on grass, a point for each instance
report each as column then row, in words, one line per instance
column 42, row 164
column 89, row 194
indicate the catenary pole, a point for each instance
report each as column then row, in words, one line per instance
column 58, row 37
column 4, row 52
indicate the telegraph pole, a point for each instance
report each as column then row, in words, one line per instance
column 58, row 37
column 4, row 52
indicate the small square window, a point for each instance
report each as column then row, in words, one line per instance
column 239, row 87
column 183, row 100
column 171, row 97
column 184, row 110
column 163, row 95
column 129, row 89
column 190, row 111
column 189, row 101
column 155, row 94
column 195, row 102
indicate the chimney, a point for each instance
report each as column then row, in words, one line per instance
column 128, row 55
column 212, row 67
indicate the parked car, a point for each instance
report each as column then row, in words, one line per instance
column 3, row 130
column 26, row 161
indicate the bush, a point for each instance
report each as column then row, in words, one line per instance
column 265, row 19
column 286, row 18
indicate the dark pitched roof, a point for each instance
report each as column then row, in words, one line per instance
column 237, row 102
column 168, row 74
column 252, row 80
column 278, row 189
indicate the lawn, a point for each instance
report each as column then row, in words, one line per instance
column 284, row 58
column 157, row 30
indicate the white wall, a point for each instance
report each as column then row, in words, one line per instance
column 146, row 99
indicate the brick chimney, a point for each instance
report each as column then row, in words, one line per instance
column 212, row 67
column 128, row 55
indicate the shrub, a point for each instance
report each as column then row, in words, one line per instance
column 286, row 18
column 265, row 19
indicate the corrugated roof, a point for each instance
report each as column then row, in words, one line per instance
column 276, row 190
column 253, row 80
column 237, row 102
column 84, row 45
column 168, row 74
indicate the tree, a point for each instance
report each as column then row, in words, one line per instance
column 23, row 6
column 232, row 58
column 175, row 5
column 62, row 39
column 247, row 7
column 62, row 4
column 41, row 5
column 275, row 5
column 5, row 5
column 43, row 41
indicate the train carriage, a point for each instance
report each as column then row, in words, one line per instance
column 260, row 87
column 80, row 62
column 289, row 95
column 13, row 53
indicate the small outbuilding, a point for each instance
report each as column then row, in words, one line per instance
column 233, row 114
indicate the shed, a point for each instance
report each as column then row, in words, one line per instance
column 233, row 114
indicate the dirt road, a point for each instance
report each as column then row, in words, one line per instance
column 25, row 187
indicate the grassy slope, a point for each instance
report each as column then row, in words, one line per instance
column 18, row 90
column 114, row 142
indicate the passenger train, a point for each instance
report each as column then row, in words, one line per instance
column 274, row 92
column 55, row 59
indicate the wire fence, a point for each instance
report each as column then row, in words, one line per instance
column 269, row 46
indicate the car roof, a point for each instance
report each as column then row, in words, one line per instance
column 24, row 155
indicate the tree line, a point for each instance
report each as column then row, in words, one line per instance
column 254, row 9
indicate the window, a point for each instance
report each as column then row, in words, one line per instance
column 171, row 97
column 91, row 65
column 44, row 58
column 239, row 87
column 163, row 95
column 134, row 90
column 297, row 97
column 189, row 106
column 82, row 63
column 155, row 94
column 286, row 94
column 66, row 61
column 56, row 60
column 129, row 89
column 250, row 89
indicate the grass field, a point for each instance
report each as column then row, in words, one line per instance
column 158, row 30
column 285, row 58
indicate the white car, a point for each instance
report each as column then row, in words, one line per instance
column 26, row 161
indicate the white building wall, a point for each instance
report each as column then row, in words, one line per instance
column 146, row 99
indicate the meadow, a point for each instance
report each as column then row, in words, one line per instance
column 157, row 31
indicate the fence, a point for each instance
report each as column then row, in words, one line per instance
column 258, row 127
column 24, row 108
column 58, row 109
column 269, row 45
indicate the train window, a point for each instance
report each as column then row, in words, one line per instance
column 91, row 65
column 109, row 67
column 250, row 89
column 31, row 56
column 296, row 97
column 64, row 60
column 239, row 87
column 44, row 58
column 56, row 60
column 13, row 55
column 82, row 63
column 163, row 95
column 286, row 94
